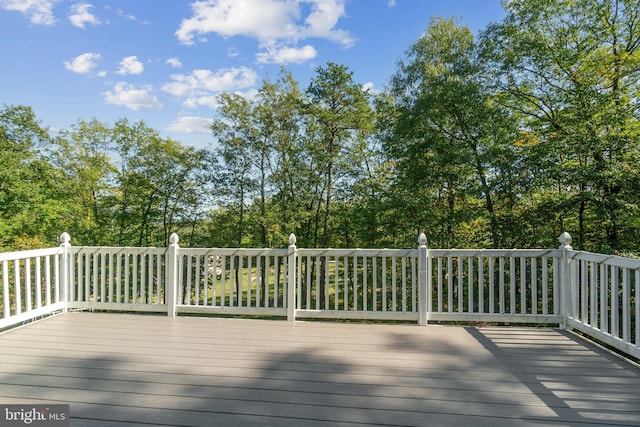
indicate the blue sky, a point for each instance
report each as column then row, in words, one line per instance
column 164, row 61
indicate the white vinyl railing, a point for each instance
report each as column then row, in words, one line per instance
column 514, row 286
column 232, row 281
column 119, row 279
column 604, row 300
column 33, row 283
column 595, row 294
column 357, row 283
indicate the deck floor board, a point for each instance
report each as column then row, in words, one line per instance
column 119, row 369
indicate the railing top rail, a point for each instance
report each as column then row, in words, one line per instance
column 11, row 256
column 357, row 252
column 234, row 251
column 328, row 252
column 116, row 250
column 613, row 260
column 497, row 253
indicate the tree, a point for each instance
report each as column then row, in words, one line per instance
column 237, row 135
column 571, row 68
column 127, row 139
column 269, row 166
column 448, row 137
column 340, row 120
column 158, row 183
column 294, row 177
column 82, row 154
column 167, row 172
column 30, row 206
column 342, row 111
column 275, row 119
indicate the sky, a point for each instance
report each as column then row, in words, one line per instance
column 164, row 61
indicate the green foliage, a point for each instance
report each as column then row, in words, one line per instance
column 81, row 154
column 72, row 183
column 571, row 68
column 283, row 153
column 451, row 140
column 160, row 186
column 28, row 213
column 340, row 111
column 503, row 140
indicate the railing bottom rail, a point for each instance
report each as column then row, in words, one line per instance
column 357, row 315
column 606, row 338
column 31, row 315
column 232, row 311
column 530, row 319
column 123, row 307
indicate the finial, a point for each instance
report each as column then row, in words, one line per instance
column 292, row 239
column 64, row 238
column 565, row 240
column 174, row 239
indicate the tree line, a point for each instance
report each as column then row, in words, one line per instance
column 504, row 139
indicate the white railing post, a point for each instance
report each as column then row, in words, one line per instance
column 424, row 279
column 171, row 286
column 291, row 279
column 566, row 285
column 65, row 267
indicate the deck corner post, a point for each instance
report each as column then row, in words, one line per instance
column 565, row 280
column 171, row 289
column 291, row 279
column 65, row 268
column 424, row 279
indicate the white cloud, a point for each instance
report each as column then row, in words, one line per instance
column 287, row 55
column 129, row 96
column 130, row 65
column 211, row 101
column 261, row 19
column 174, row 62
column 194, row 102
column 81, row 15
column 39, row 12
column 206, row 82
column 277, row 25
column 191, row 124
column 324, row 16
column 369, row 86
column 121, row 13
column 83, row 64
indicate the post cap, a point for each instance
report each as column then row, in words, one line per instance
column 64, row 238
column 565, row 240
column 174, row 239
column 292, row 239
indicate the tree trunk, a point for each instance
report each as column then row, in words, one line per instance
column 325, row 233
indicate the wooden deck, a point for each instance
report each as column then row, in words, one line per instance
column 117, row 369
